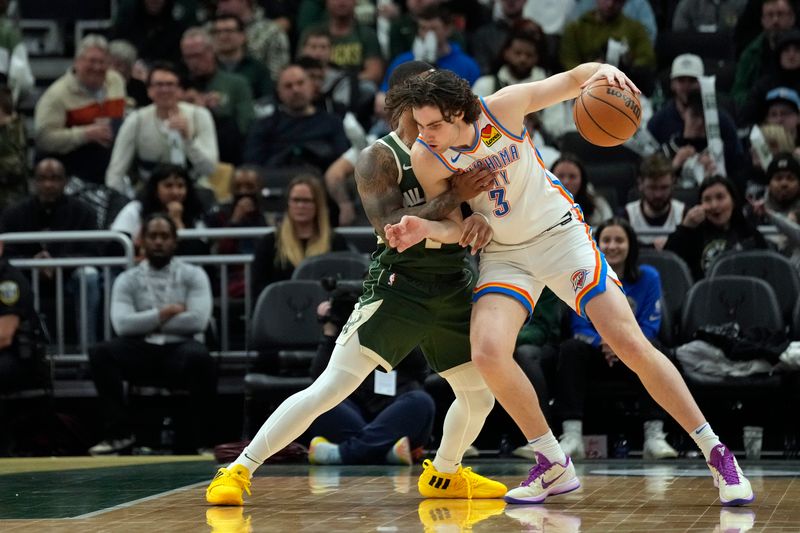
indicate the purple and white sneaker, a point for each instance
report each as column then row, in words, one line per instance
column 545, row 479
column 734, row 489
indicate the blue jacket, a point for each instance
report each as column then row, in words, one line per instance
column 645, row 299
column 457, row 61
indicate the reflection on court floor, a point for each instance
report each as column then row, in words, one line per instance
column 166, row 494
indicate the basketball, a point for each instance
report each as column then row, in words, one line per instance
column 606, row 115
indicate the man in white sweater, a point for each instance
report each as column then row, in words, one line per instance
column 166, row 131
column 160, row 310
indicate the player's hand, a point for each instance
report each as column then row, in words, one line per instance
column 759, row 207
column 613, row 76
column 477, row 232
column 694, row 217
column 245, row 207
column 170, row 310
column 682, row 154
column 469, row 184
column 406, row 233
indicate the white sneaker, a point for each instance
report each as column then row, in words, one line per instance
column 735, row 520
column 540, row 518
column 113, row 446
column 470, row 452
column 526, row 452
column 545, row 479
column 657, row 447
column 572, row 445
column 734, row 488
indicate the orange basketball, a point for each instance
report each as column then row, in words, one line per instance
column 606, row 115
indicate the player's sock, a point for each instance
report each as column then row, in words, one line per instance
column 444, row 465
column 705, row 438
column 548, row 446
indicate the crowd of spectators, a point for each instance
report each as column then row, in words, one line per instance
column 203, row 109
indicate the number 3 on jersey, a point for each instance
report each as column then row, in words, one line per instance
column 501, row 205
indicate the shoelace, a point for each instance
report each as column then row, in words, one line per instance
column 728, row 469
column 538, row 470
column 243, row 481
column 465, row 475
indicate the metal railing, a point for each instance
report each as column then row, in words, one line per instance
column 127, row 260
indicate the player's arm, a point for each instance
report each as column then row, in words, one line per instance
column 537, row 95
column 413, row 229
column 376, row 178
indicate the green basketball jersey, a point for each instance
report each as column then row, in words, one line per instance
column 426, row 257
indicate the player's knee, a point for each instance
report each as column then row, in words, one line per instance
column 482, row 401
column 489, row 358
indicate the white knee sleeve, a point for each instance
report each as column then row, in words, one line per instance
column 346, row 370
column 465, row 418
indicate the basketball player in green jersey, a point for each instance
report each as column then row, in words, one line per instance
column 421, row 297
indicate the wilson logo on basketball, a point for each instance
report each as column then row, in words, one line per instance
column 630, row 103
column 578, row 279
column 489, row 135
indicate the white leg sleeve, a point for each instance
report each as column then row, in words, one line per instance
column 465, row 418
column 346, row 370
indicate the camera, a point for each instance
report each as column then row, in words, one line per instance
column 344, row 295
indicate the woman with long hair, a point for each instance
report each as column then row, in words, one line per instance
column 304, row 231
column 715, row 225
column 171, row 191
column 571, row 172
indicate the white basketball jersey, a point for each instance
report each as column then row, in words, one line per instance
column 641, row 225
column 526, row 198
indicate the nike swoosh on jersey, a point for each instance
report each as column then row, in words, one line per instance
column 406, row 167
column 454, row 159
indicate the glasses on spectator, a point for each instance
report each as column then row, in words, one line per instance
column 301, row 200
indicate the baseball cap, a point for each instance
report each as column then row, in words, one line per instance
column 785, row 94
column 783, row 162
column 786, row 38
column 687, row 65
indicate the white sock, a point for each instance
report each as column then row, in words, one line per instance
column 548, row 446
column 705, row 438
column 327, row 453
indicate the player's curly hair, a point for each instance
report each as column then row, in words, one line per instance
column 442, row 89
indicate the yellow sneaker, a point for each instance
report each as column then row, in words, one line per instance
column 228, row 520
column 464, row 483
column 227, row 486
column 442, row 515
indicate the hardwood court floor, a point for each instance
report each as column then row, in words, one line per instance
column 131, row 494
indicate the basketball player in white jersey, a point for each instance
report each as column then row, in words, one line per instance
column 540, row 239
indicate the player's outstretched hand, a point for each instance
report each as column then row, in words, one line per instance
column 406, row 233
column 469, row 184
column 477, row 232
column 613, row 76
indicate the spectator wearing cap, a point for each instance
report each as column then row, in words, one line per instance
column 777, row 16
column 668, row 122
column 785, row 73
column 781, row 205
column 783, row 109
column 783, row 189
column 76, row 116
